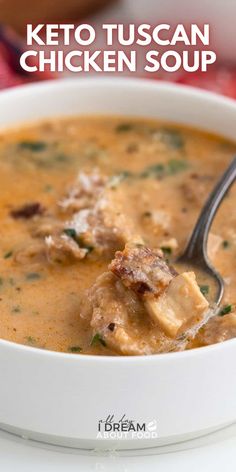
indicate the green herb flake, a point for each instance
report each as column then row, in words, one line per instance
column 225, row 310
column 1, row 281
column 34, row 146
column 173, row 138
column 71, row 233
column 8, row 254
column 33, row 276
column 75, row 349
column 30, row 340
column 52, row 161
column 156, row 171
column 16, row 309
column 116, row 179
column 61, row 158
column 166, row 249
column 97, row 338
column 48, row 188
column 124, row 127
column 225, row 244
column 204, row 289
column 175, row 166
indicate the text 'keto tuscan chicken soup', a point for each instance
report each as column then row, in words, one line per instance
column 94, row 212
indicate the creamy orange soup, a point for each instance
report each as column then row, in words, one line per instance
column 158, row 175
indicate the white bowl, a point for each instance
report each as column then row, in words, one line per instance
column 60, row 398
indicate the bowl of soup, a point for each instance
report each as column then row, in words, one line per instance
column 104, row 342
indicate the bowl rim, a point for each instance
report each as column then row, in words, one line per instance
column 144, row 83
column 114, row 82
column 198, row 352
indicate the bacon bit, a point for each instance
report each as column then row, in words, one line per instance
column 27, row 211
column 142, row 269
column 111, row 326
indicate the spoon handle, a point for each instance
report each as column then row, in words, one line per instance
column 196, row 247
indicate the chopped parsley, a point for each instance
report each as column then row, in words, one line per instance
column 225, row 310
column 124, row 127
column 75, row 349
column 225, row 244
column 8, row 254
column 16, row 309
column 34, row 146
column 61, row 158
column 48, row 188
column 204, row 289
column 166, row 250
column 30, row 340
column 173, row 167
column 97, row 338
column 173, row 138
column 116, row 179
column 33, row 276
column 156, row 171
column 71, row 233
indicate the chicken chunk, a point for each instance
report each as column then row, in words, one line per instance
column 105, row 226
column 161, row 220
column 119, row 316
column 85, row 191
column 142, row 306
column 46, row 226
column 181, row 308
column 63, row 249
column 173, row 301
column 96, row 221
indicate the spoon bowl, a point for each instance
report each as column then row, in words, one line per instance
column 195, row 255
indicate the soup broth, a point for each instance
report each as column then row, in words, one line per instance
column 156, row 178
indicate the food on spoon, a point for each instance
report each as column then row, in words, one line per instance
column 173, row 301
column 118, row 315
column 149, row 306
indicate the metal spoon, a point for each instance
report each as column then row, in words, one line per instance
column 195, row 254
